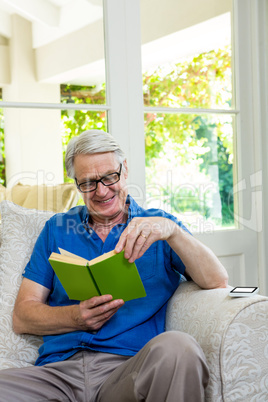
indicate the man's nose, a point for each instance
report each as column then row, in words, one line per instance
column 101, row 188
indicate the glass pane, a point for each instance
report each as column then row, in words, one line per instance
column 92, row 95
column 203, row 81
column 35, row 142
column 58, row 53
column 32, row 146
column 74, row 122
column 186, row 60
column 189, row 168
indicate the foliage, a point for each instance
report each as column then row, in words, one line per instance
column 76, row 121
column 202, row 82
column 195, row 82
column 222, row 159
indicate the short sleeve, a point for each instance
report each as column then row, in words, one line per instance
column 38, row 268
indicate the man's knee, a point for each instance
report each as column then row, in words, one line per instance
column 172, row 341
column 171, row 362
column 176, row 346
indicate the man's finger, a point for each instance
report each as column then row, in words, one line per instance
column 96, row 301
column 142, row 244
column 122, row 241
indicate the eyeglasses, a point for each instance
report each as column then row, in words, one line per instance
column 91, row 185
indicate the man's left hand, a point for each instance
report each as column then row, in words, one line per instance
column 141, row 233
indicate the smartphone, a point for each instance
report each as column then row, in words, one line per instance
column 241, row 291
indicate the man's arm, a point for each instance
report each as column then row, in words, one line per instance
column 200, row 262
column 32, row 314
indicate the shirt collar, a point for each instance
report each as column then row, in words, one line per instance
column 133, row 208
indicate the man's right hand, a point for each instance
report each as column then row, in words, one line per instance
column 32, row 314
column 95, row 312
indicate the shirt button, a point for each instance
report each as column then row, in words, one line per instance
column 83, row 344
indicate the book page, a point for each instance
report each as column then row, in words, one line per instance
column 68, row 259
column 91, row 262
column 65, row 252
column 102, row 257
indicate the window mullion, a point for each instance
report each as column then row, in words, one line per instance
column 189, row 110
column 124, row 86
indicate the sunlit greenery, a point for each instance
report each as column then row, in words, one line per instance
column 199, row 146
column 195, row 142
column 74, row 122
column 202, row 81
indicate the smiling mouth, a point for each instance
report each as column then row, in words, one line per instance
column 106, row 201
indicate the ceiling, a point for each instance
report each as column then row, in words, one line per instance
column 51, row 19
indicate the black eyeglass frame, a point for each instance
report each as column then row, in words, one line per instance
column 99, row 181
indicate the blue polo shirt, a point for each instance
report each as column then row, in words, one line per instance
column 138, row 320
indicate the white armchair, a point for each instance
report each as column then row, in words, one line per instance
column 232, row 332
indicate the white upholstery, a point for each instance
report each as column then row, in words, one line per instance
column 232, row 332
column 20, row 228
column 56, row 198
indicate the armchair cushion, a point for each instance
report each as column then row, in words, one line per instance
column 20, row 229
column 2, row 193
column 56, row 198
column 233, row 334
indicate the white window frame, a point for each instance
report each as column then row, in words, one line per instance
column 251, row 66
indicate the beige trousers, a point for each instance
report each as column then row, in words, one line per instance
column 171, row 367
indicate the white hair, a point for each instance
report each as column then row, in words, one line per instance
column 91, row 142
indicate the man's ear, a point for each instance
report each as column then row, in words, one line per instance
column 125, row 169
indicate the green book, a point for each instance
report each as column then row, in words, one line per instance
column 110, row 273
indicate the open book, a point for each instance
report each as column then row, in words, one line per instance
column 110, row 273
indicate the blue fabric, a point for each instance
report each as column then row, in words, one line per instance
column 138, row 320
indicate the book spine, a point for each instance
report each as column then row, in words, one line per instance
column 93, row 279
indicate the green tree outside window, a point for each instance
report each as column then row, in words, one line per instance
column 203, row 141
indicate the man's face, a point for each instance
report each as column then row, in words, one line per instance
column 106, row 202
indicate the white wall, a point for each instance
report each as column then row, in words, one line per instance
column 32, row 136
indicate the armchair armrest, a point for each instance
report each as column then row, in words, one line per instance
column 233, row 333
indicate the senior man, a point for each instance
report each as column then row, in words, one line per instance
column 103, row 349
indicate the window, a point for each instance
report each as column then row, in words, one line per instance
column 52, row 70
column 75, row 121
column 190, row 129
column 190, row 123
